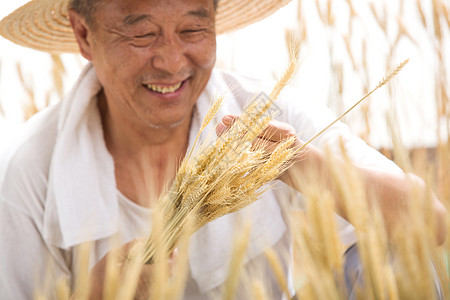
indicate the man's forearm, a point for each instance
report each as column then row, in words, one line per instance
column 392, row 191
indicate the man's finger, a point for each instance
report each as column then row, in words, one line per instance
column 265, row 144
column 277, row 131
column 227, row 121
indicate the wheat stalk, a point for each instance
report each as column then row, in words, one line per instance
column 277, row 269
column 258, row 291
column 391, row 74
column 235, row 267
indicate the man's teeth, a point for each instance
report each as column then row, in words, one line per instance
column 164, row 89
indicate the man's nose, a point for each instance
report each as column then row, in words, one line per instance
column 169, row 55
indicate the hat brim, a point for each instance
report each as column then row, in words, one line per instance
column 44, row 24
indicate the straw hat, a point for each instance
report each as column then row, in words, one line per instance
column 44, row 24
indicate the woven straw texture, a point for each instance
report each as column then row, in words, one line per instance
column 44, row 24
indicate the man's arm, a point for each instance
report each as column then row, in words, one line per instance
column 390, row 189
column 29, row 263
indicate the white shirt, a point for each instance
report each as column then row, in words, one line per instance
column 41, row 223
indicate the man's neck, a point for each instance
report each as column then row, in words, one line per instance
column 127, row 138
column 145, row 158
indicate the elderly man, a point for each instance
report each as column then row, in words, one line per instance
column 77, row 175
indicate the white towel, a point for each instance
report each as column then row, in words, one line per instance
column 81, row 193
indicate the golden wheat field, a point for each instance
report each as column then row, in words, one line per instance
column 367, row 44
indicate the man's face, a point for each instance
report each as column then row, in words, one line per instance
column 153, row 57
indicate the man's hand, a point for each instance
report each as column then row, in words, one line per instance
column 275, row 132
column 122, row 260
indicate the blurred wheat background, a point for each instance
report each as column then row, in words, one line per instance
column 346, row 47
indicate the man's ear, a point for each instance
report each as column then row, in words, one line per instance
column 81, row 31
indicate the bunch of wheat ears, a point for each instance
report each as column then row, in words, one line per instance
column 229, row 174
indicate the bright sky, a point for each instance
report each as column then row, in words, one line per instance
column 260, row 51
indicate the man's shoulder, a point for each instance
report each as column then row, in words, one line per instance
column 25, row 161
column 37, row 134
column 241, row 88
column 240, row 81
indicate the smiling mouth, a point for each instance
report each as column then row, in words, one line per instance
column 164, row 89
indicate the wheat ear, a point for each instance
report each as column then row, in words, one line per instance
column 289, row 72
column 209, row 116
column 391, row 74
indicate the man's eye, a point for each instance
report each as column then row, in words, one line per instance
column 147, row 35
column 188, row 31
column 143, row 40
column 193, row 35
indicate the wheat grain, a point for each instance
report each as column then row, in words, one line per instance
column 288, row 73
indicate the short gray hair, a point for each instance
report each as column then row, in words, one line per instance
column 86, row 8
